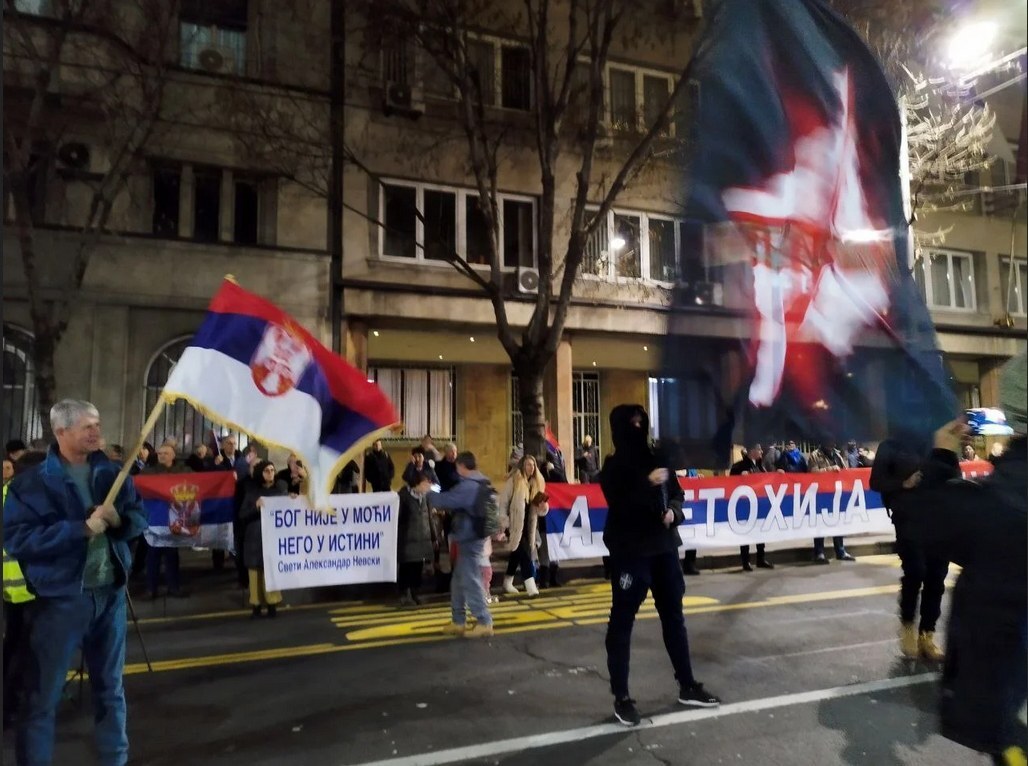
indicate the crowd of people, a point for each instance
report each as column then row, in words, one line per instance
column 67, row 556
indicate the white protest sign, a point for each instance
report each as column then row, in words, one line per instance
column 304, row 548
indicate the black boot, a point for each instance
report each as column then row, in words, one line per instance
column 255, row 613
column 542, row 577
column 554, row 576
column 272, row 612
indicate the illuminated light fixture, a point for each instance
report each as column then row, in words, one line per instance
column 375, row 333
column 594, row 364
column 970, row 44
column 440, row 356
column 820, row 404
column 646, row 348
column 472, row 338
column 617, row 243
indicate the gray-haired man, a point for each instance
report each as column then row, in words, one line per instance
column 73, row 549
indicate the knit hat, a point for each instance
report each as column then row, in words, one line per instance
column 1013, row 392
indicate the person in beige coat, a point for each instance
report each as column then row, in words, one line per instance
column 523, row 485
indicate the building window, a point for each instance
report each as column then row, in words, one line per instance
column 946, row 279
column 516, row 77
column 179, row 421
column 585, row 409
column 19, row 406
column 207, row 204
column 1014, row 280
column 433, row 222
column 425, row 397
column 212, row 35
column 167, row 185
column 638, row 98
column 246, row 216
column 250, row 200
column 34, row 8
column 634, row 245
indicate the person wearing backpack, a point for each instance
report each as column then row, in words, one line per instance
column 472, row 502
column 525, row 484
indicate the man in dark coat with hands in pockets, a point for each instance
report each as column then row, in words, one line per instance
column 644, row 505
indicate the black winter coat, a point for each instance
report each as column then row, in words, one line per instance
column 635, row 508
column 250, row 517
column 982, row 526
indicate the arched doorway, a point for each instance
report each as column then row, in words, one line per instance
column 19, row 410
column 180, row 420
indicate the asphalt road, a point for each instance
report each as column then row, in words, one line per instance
column 804, row 658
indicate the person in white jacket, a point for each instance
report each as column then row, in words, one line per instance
column 524, row 485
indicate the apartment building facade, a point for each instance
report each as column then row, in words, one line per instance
column 211, row 199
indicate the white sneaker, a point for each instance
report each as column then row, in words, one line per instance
column 508, row 586
column 530, row 587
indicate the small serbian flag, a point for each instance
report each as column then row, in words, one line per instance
column 188, row 510
column 252, row 367
column 551, row 440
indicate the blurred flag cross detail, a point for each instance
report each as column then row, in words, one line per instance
column 252, row 367
column 795, row 212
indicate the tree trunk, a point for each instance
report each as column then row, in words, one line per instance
column 530, row 400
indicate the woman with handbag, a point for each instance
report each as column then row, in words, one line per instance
column 523, row 502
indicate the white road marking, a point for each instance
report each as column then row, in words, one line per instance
column 549, row 739
column 822, row 650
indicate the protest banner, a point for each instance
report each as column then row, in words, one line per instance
column 188, row 510
column 305, row 548
column 727, row 511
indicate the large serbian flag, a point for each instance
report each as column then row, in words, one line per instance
column 796, row 231
column 186, row 510
column 252, row 367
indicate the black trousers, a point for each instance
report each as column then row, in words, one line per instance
column 408, row 575
column 630, row 580
column 923, row 576
column 837, row 542
column 522, row 557
column 15, row 647
column 744, row 553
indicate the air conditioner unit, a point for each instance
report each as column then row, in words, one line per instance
column 73, row 155
column 215, row 59
column 528, row 281
column 399, row 99
column 81, row 157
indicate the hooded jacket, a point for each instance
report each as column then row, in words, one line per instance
column 980, row 526
column 635, row 508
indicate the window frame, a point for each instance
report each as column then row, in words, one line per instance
column 1014, row 265
column 640, row 73
column 644, row 248
column 372, row 377
column 461, row 194
column 929, row 289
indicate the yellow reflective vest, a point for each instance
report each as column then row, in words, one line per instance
column 15, row 590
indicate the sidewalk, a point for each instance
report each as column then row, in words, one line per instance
column 217, row 591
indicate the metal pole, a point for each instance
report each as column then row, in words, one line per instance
column 335, row 185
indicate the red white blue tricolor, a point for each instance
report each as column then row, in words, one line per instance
column 251, row 366
column 188, row 510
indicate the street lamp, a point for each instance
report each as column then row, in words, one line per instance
column 970, row 44
column 617, row 243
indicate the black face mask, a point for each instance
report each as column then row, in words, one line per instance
column 629, row 437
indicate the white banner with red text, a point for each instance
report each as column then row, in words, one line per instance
column 727, row 511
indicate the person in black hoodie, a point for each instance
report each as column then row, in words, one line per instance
column 981, row 526
column 895, row 474
column 644, row 507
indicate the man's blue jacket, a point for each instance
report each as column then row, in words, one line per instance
column 45, row 524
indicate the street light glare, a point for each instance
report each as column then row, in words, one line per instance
column 970, row 44
column 617, row 243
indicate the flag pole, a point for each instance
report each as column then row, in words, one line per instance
column 151, row 421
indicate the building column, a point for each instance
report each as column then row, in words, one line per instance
column 988, row 386
column 109, row 371
column 357, row 343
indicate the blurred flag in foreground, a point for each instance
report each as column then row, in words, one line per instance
column 251, row 367
column 799, row 317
